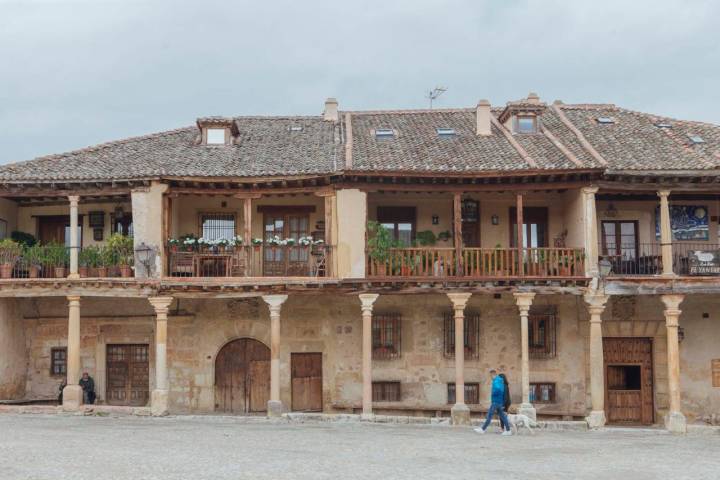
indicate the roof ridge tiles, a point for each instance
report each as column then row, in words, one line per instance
column 586, row 106
column 409, row 111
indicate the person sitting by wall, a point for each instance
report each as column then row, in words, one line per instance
column 88, row 386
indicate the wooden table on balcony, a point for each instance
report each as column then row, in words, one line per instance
column 199, row 258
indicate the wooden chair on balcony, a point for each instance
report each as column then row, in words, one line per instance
column 318, row 262
column 238, row 265
column 182, row 264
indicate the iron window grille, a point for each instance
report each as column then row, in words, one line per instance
column 58, row 361
column 542, row 392
column 471, row 335
column 214, row 226
column 386, row 392
column 386, row 336
column 472, row 393
column 542, row 332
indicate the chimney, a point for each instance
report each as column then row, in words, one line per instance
column 331, row 110
column 533, row 98
column 482, row 118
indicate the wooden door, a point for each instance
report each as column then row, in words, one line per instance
column 128, row 375
column 535, row 227
column 291, row 261
column 470, row 216
column 628, row 380
column 306, row 373
column 242, row 377
column 55, row 229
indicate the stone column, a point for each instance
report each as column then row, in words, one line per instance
column 275, row 407
column 591, row 232
column 596, row 305
column 72, row 393
column 366, row 304
column 459, row 413
column 74, row 240
column 159, row 398
column 524, row 301
column 665, row 234
column 675, row 420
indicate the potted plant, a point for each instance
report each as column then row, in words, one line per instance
column 83, row 262
column 257, row 243
column 105, row 258
column 173, row 244
column 378, row 245
column 58, row 257
column 236, row 242
column 189, row 242
column 90, row 258
column 122, row 251
column 33, row 257
column 10, row 252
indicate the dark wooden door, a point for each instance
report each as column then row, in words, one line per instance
column 128, row 375
column 290, row 261
column 306, row 373
column 470, row 216
column 628, row 380
column 242, row 377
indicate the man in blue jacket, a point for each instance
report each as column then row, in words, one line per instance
column 497, row 404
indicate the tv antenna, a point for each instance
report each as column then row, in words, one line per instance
column 435, row 93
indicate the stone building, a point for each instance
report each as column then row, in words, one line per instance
column 261, row 282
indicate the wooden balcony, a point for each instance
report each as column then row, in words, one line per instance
column 645, row 259
column 479, row 263
column 254, row 261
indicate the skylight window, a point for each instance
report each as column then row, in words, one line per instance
column 605, row 120
column 215, row 136
column 696, row 139
column 663, row 125
column 296, row 128
column 445, row 131
column 384, row 133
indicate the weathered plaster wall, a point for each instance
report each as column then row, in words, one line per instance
column 352, row 215
column 13, row 354
column 147, row 205
column 9, row 213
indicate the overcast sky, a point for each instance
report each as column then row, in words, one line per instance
column 78, row 73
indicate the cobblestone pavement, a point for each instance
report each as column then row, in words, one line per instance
column 74, row 447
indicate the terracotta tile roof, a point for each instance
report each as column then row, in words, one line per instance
column 570, row 138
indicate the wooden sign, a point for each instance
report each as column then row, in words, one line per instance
column 704, row 262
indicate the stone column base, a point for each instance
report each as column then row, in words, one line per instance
column 275, row 408
column 460, row 414
column 159, row 403
column 596, row 419
column 72, row 398
column 675, row 422
column 528, row 410
column 367, row 417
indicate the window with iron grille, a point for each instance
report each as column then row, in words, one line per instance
column 214, row 226
column 472, row 393
column 542, row 332
column 471, row 335
column 386, row 392
column 542, row 393
column 58, row 361
column 386, row 328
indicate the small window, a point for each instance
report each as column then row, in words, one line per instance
column 696, row 139
column 605, row 120
column 386, row 336
column 384, row 133
column 542, row 326
column 215, row 226
column 624, row 377
column 525, row 124
column 296, row 128
column 472, row 393
column 663, row 125
column 216, row 136
column 445, row 131
column 471, row 335
column 542, row 393
column 58, row 361
column 386, row 392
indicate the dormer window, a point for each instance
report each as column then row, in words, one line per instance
column 696, row 139
column 445, row 131
column 525, row 124
column 216, row 136
column 384, row 133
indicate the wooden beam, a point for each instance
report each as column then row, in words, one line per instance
column 457, row 229
column 520, row 233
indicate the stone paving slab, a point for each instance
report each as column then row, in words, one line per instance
column 76, row 447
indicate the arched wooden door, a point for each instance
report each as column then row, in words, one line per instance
column 242, row 377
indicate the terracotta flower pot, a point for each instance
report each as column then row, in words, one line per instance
column 59, row 272
column 33, row 271
column 6, row 270
column 102, row 272
column 83, row 271
column 125, row 271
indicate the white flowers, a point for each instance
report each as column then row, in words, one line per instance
column 308, row 241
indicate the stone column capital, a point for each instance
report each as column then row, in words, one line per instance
column 74, row 200
column 664, row 193
column 524, row 301
column 596, row 303
column 459, row 300
column 672, row 302
column 591, row 190
column 73, row 299
column 367, row 300
column 160, row 304
column 274, row 302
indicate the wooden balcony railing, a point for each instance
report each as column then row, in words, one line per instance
column 480, row 263
column 53, row 261
column 252, row 261
column 646, row 259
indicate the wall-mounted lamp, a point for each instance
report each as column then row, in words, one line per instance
column 435, row 219
column 495, row 219
column 610, row 211
column 605, row 267
column 681, row 334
